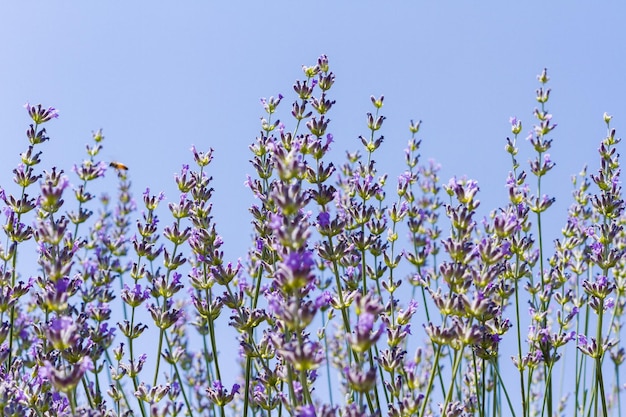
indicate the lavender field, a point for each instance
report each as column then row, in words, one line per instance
column 361, row 293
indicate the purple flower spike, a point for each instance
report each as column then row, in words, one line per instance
column 323, row 219
column 62, row 332
column 41, row 115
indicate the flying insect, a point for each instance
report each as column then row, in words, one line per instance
column 119, row 166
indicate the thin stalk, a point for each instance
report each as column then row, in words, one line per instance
column 458, row 358
column 506, row 393
column 598, row 362
column 431, row 378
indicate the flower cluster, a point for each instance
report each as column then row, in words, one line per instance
column 359, row 295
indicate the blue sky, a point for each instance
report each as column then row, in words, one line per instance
column 161, row 76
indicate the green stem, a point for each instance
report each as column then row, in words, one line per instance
column 458, row 356
column 525, row 408
column 159, row 349
column 180, row 379
column 246, row 394
column 503, row 385
column 598, row 361
column 431, row 378
column 327, row 364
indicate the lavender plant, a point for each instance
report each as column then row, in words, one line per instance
column 357, row 297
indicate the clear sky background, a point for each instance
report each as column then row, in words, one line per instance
column 161, row 76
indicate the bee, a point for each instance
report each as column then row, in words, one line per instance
column 118, row 166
